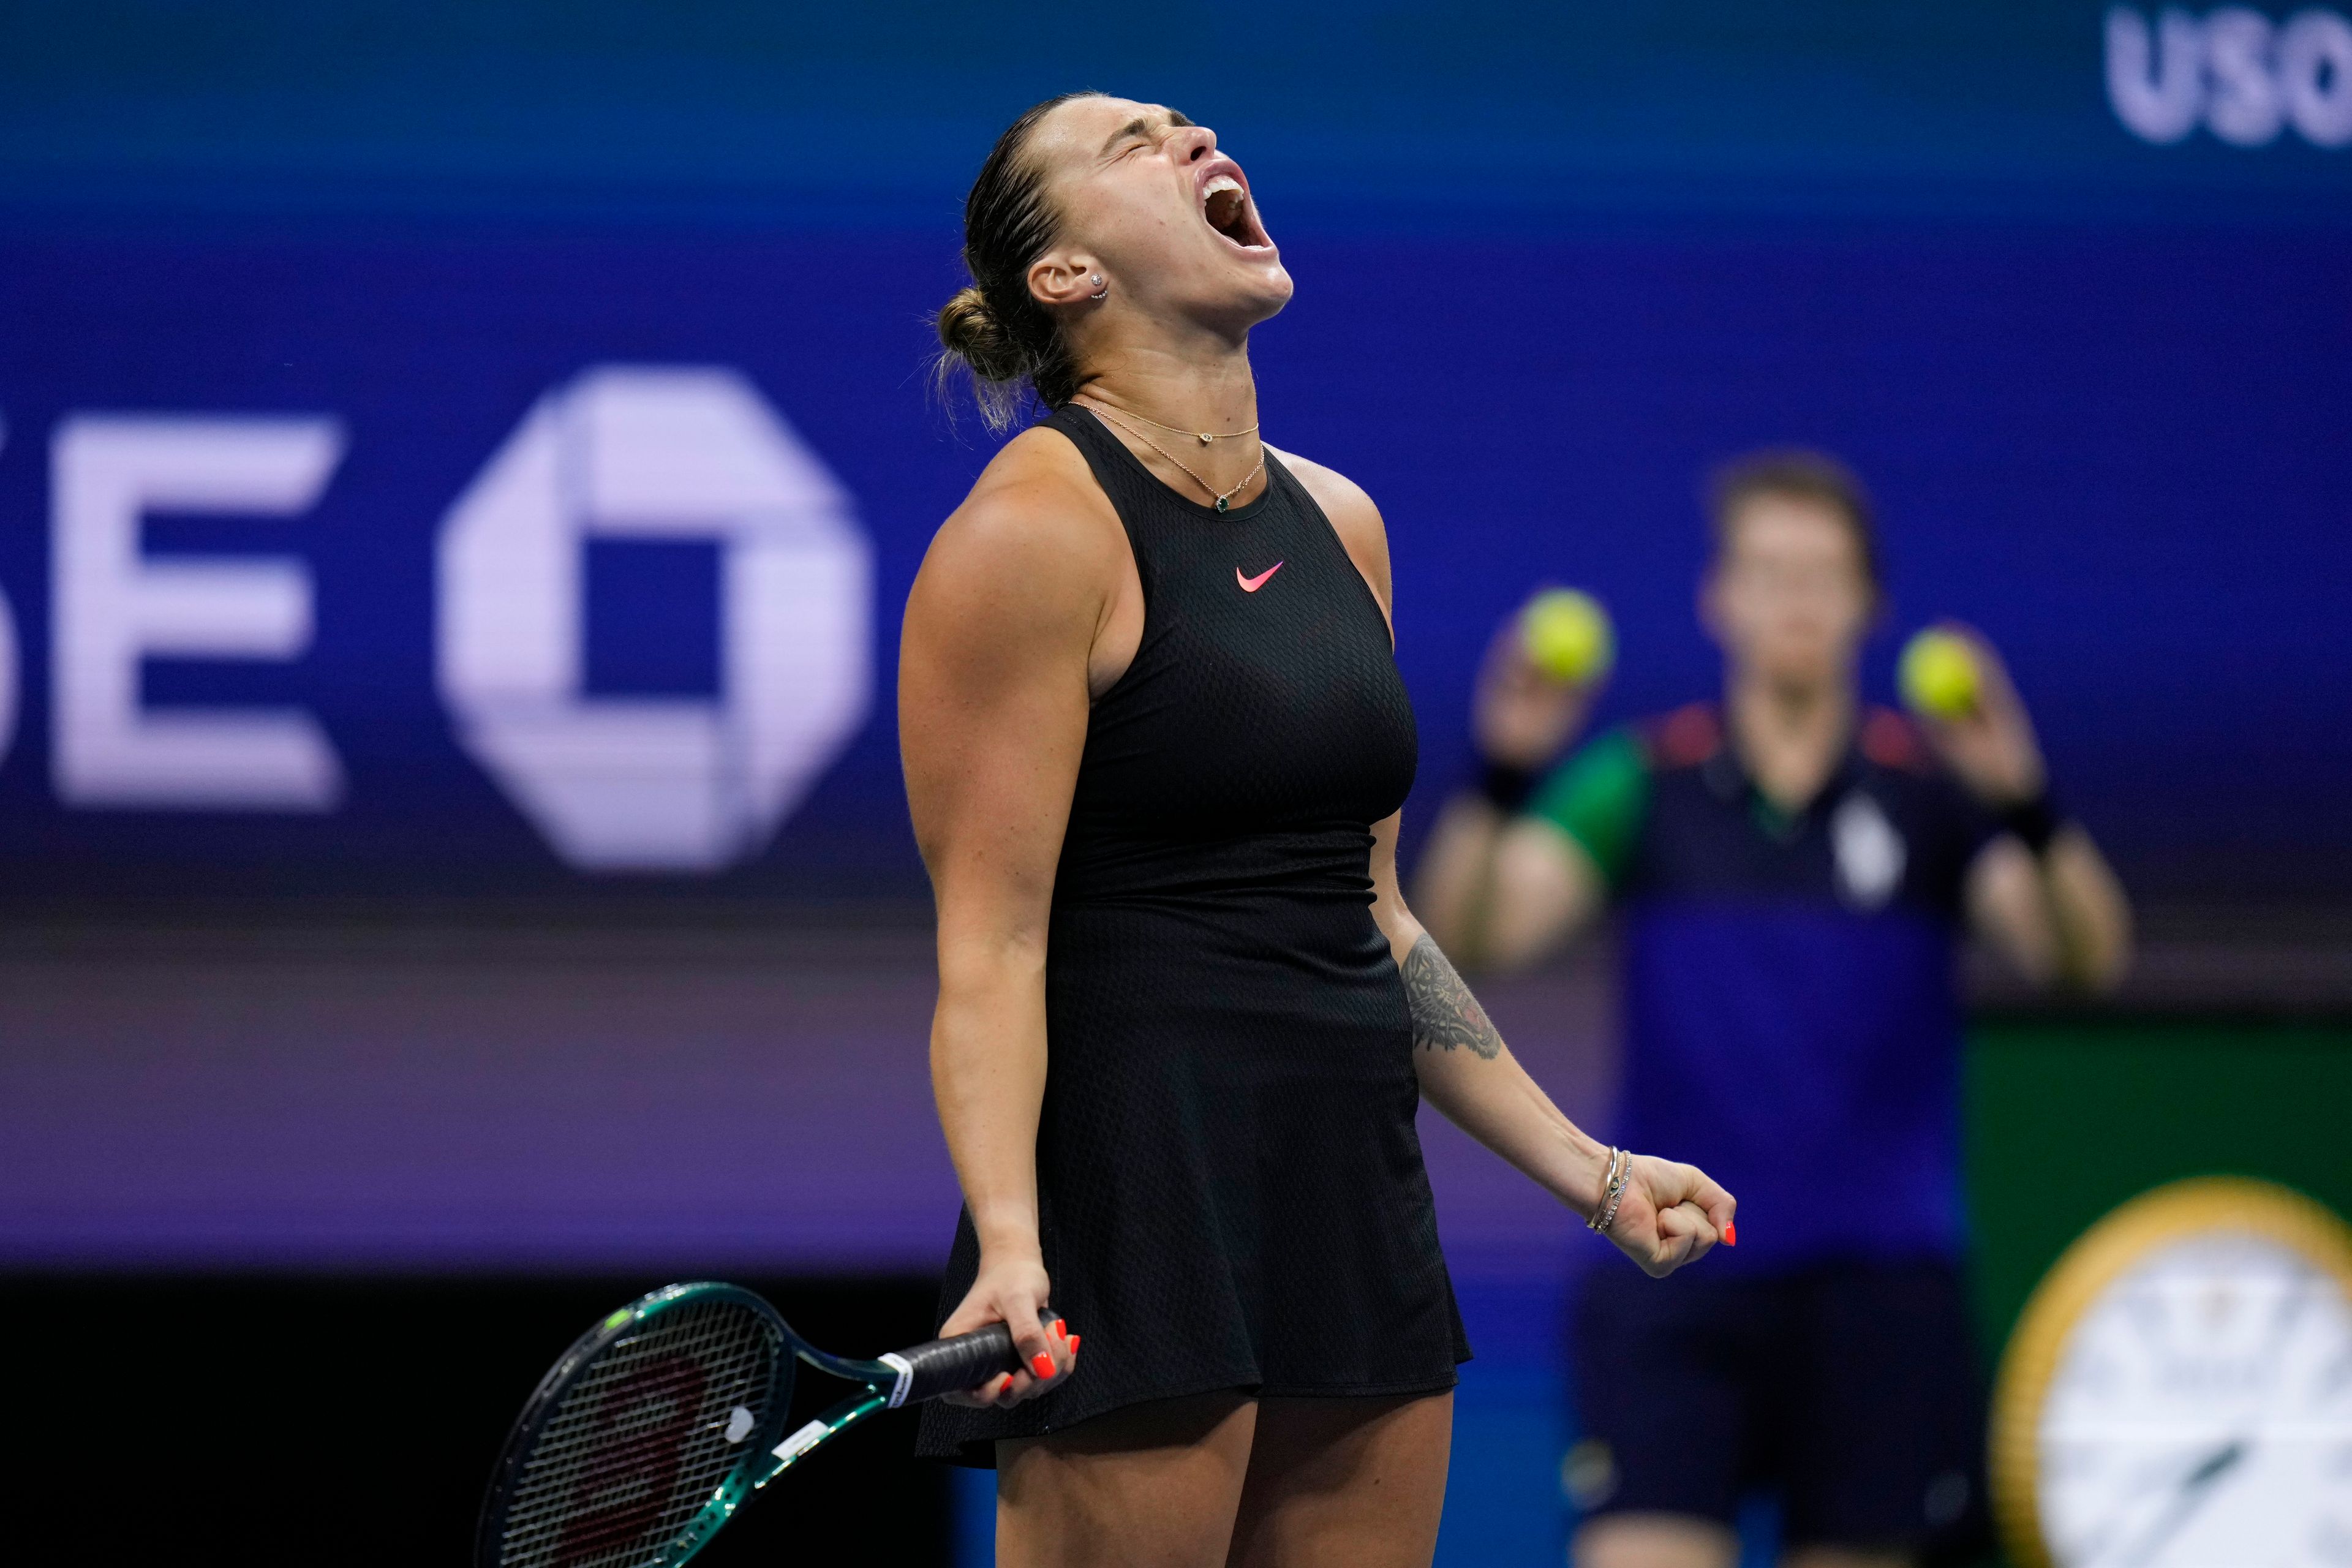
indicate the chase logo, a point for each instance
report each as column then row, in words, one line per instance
column 653, row 784
column 2242, row 76
column 613, row 781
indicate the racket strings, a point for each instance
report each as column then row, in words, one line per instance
column 637, row 1447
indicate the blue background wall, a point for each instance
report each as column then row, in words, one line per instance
column 2124, row 455
column 1553, row 262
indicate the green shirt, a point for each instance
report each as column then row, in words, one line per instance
column 1598, row 796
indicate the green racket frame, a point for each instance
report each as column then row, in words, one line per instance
column 919, row 1372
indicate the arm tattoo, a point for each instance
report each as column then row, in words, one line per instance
column 1445, row 1014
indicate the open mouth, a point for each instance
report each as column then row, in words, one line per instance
column 1226, row 206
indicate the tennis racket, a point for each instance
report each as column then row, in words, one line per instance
column 642, row 1441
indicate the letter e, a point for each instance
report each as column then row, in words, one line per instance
column 111, row 610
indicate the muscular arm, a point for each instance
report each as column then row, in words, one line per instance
column 1468, row 1073
column 1671, row 1212
column 992, row 704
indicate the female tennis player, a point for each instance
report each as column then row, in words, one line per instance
column 1155, row 743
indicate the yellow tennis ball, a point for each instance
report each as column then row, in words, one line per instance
column 1938, row 675
column 1568, row 636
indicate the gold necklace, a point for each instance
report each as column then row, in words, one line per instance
column 1221, row 499
column 1203, row 437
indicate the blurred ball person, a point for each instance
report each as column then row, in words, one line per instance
column 1155, row 742
column 1794, row 874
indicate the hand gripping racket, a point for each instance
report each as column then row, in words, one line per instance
column 659, row 1421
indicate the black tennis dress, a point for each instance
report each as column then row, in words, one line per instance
column 1231, row 1190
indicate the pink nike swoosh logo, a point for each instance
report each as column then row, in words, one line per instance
column 1251, row 584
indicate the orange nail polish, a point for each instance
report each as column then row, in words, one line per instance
column 1073, row 1344
column 1042, row 1364
column 1059, row 1330
column 1002, row 1385
column 1730, row 1234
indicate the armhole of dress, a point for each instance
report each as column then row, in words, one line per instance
column 1062, row 424
column 1330, row 530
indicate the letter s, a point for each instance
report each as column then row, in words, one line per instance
column 2244, row 110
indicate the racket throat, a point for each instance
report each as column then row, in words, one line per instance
column 847, row 1414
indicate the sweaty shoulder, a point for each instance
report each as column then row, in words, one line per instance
column 1353, row 517
column 1035, row 538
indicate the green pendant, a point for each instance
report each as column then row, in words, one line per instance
column 1220, row 503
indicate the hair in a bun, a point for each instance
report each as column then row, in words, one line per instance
column 995, row 329
column 970, row 331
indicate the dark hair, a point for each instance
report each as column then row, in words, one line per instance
column 997, row 329
column 1793, row 473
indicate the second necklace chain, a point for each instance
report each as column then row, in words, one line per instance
column 1222, row 500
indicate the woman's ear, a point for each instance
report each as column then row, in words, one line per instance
column 1062, row 278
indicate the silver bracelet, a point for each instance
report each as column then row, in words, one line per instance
column 1616, row 1196
column 1608, row 1185
column 1616, row 1193
column 1612, row 1190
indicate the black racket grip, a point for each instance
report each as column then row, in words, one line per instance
column 967, row 1361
